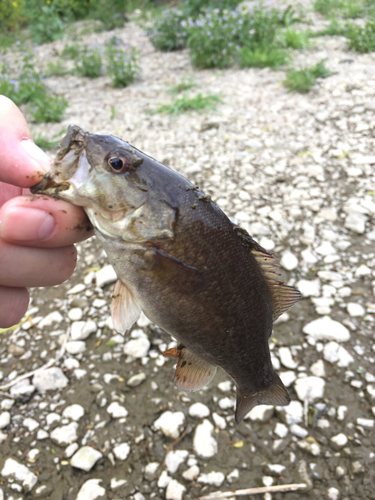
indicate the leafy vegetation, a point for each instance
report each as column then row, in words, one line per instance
column 167, row 33
column 185, row 103
column 348, row 9
column 303, row 79
column 89, row 61
column 122, row 64
column 295, row 39
column 183, row 85
column 260, row 59
column 361, row 39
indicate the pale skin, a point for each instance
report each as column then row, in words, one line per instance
column 37, row 233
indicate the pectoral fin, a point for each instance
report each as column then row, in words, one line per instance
column 192, row 372
column 275, row 395
column 125, row 310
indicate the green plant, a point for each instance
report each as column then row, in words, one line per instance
column 56, row 68
column 194, row 8
column 334, row 28
column 89, row 61
column 45, row 22
column 361, row 39
column 71, row 51
column 110, row 12
column 186, row 103
column 10, row 15
column 122, row 64
column 167, row 33
column 47, row 108
column 346, row 8
column 44, row 143
column 260, row 59
column 183, row 85
column 302, row 80
column 294, row 39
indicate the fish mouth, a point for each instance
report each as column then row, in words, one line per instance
column 49, row 186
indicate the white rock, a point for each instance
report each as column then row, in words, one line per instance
column 219, row 421
column 85, row 458
column 150, row 470
column 23, row 388
column 293, row 413
column 362, row 270
column 339, row 441
column 309, row 288
column 233, row 476
column 6, row 404
column 260, row 413
column 81, row 330
column 214, row 478
column 203, row 443
column 164, row 479
column 13, row 469
column 136, row 380
column 191, row 473
column 3, row 437
column 309, row 445
column 91, row 490
column 336, row 354
column 50, row 379
column 105, row 276
column 42, row 434
column 226, row 403
column 71, row 449
column 73, row 412
column 325, row 248
column 366, row 422
column 333, row 493
column 121, row 451
column 286, row 358
column 71, row 363
column 309, row 389
column 52, row 418
column 356, row 223
column 174, row 459
column 30, row 424
column 137, row 348
column 288, row 378
column 4, row 419
column 327, row 329
column 174, row 490
column 76, row 289
column 117, row 483
column 199, row 410
column 281, row 430
column 225, row 386
column 170, row 423
column 318, row 369
column 53, row 317
column 33, row 453
column 75, row 314
column 298, row 431
column 341, row 412
column 355, row 309
column 65, row 434
column 116, row 410
column 289, row 261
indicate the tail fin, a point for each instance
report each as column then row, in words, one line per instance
column 275, row 395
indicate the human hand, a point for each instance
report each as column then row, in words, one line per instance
column 36, row 232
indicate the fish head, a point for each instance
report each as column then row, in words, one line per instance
column 101, row 174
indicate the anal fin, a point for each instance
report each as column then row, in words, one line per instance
column 275, row 395
column 192, row 372
column 125, row 310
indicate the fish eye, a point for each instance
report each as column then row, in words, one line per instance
column 118, row 164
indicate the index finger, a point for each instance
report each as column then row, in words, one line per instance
column 22, row 162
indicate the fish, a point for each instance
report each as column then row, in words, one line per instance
column 180, row 260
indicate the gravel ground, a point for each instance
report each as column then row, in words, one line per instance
column 297, row 171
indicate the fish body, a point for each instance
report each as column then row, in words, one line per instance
column 181, row 260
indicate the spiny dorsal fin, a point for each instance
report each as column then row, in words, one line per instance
column 192, row 372
column 283, row 296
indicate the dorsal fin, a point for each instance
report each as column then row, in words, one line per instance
column 283, row 296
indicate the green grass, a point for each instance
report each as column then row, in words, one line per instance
column 348, row 9
column 334, row 28
column 56, row 68
column 185, row 104
column 71, row 51
column 303, row 79
column 361, row 39
column 44, row 143
column 182, row 86
column 260, row 59
column 295, row 39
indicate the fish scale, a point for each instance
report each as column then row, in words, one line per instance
column 180, row 259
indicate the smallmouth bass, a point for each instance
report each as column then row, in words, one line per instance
column 181, row 261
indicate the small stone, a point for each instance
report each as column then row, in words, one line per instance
column 226, row 403
column 267, row 480
column 174, row 490
column 356, row 223
column 289, row 261
column 91, row 490
column 4, row 419
column 13, row 469
column 74, row 412
column 298, row 431
column 191, row 473
column 136, row 380
column 333, row 493
column 327, row 329
column 286, row 358
column 275, row 469
column 260, row 413
column 30, row 424
column 7, row 404
column 50, row 379
column 292, row 414
column 81, row 330
column 76, row 289
column 199, row 410
column 70, row 450
column 214, row 478
column 117, row 483
column 137, row 348
column 65, row 434
column 203, row 443
column 15, row 350
column 164, row 479
column 220, row 421
column 42, row 434
column 105, row 276
column 53, row 317
column 355, row 309
column 309, row 288
column 121, row 451
column 233, row 476
column 170, row 423
column 116, row 410
column 150, row 470
column 23, row 388
column 338, row 441
column 336, row 354
column 71, row 363
column 288, row 378
column 358, row 468
column 51, row 418
column 310, row 445
column 309, row 389
column 281, row 430
column 366, row 422
column 341, row 412
column 85, row 458
column 318, row 369
column 174, row 459
column 75, row 314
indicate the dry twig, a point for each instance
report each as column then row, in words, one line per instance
column 254, row 491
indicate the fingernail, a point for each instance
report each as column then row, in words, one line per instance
column 26, row 224
column 36, row 154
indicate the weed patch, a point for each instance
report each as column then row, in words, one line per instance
column 185, row 104
column 361, row 39
column 302, row 80
column 260, row 59
column 167, row 33
column 122, row 64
